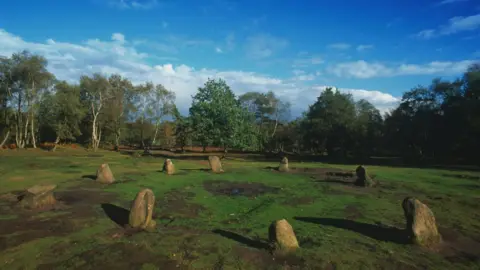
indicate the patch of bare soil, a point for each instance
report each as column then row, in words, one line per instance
column 299, row 201
column 115, row 256
column 457, row 248
column 352, row 212
column 263, row 259
column 74, row 208
column 176, row 204
column 247, row 189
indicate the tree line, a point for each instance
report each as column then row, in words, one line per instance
column 439, row 121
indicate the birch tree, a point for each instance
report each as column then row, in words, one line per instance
column 161, row 104
column 96, row 92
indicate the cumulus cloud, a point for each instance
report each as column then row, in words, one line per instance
column 455, row 25
column 363, row 70
column 339, row 46
column 264, row 45
column 69, row 61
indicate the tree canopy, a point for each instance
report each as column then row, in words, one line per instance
column 439, row 122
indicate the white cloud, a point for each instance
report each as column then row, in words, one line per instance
column 445, row 2
column 364, row 70
column 118, row 37
column 382, row 101
column 218, row 50
column 364, row 47
column 455, row 25
column 68, row 61
column 339, row 46
column 305, row 60
column 133, row 4
column 264, row 45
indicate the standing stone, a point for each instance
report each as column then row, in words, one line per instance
column 421, row 225
column 104, row 174
column 142, row 210
column 168, row 167
column 281, row 234
column 39, row 196
column 215, row 164
column 283, row 165
column 363, row 179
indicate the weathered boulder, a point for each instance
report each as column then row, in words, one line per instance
column 283, row 165
column 281, row 235
column 421, row 224
column 168, row 167
column 363, row 179
column 142, row 210
column 39, row 196
column 215, row 164
column 104, row 174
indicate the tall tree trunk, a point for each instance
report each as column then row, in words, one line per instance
column 155, row 134
column 57, row 140
column 5, row 139
column 32, row 114
column 275, row 128
column 32, row 130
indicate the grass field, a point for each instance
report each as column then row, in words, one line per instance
column 220, row 221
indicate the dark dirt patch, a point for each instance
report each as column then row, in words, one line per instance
column 352, row 212
column 237, row 188
column 76, row 209
column 114, row 256
column 457, row 248
column 22, row 230
column 262, row 259
column 34, row 166
column 299, row 201
column 463, row 176
column 176, row 204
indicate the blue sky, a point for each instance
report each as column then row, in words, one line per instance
column 372, row 49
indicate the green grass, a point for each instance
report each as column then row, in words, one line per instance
column 84, row 237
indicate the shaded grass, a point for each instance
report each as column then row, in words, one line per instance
column 337, row 225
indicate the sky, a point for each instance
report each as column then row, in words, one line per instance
column 372, row 49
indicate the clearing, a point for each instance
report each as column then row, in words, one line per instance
column 220, row 221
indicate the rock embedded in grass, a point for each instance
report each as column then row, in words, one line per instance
column 282, row 236
column 283, row 165
column 142, row 210
column 105, row 175
column 39, row 196
column 168, row 167
column 363, row 179
column 421, row 225
column 215, row 164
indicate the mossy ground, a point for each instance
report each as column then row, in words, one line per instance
column 220, row 221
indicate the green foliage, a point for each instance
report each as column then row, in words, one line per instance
column 62, row 111
column 218, row 119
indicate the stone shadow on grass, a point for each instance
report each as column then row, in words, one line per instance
column 117, row 214
column 89, row 176
column 242, row 239
column 200, row 170
column 388, row 234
